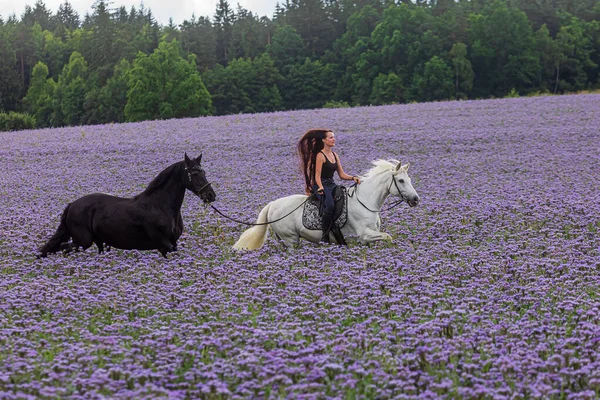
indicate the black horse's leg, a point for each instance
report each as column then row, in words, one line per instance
column 164, row 252
column 160, row 237
column 166, row 246
column 178, row 229
column 100, row 246
column 69, row 247
column 81, row 237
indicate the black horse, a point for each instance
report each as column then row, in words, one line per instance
column 150, row 220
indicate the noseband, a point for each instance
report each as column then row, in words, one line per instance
column 204, row 186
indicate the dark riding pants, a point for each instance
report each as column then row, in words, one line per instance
column 327, row 203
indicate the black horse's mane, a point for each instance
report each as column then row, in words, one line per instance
column 162, row 179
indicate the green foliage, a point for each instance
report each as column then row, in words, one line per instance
column 573, row 59
column 70, row 92
column 199, row 38
column 502, row 38
column 387, row 89
column 14, row 121
column 336, row 104
column 222, row 22
column 311, row 20
column 403, row 39
column 164, row 85
column 55, row 53
column 247, row 35
column 512, row 94
column 101, row 32
column 245, row 86
column 10, row 84
column 463, row 71
column 307, row 85
column 548, row 55
column 107, row 103
column 265, row 79
column 366, row 52
column 287, row 48
column 435, row 83
column 39, row 99
column 361, row 24
column 347, row 51
column 228, row 97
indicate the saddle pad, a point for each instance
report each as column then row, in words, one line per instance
column 311, row 219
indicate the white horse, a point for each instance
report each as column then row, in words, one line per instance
column 364, row 204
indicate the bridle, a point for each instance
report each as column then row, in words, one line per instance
column 207, row 184
column 397, row 203
column 198, row 191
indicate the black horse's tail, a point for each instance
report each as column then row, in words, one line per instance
column 60, row 236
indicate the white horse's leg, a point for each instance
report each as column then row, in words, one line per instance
column 253, row 238
column 290, row 240
column 287, row 232
column 369, row 235
column 290, row 228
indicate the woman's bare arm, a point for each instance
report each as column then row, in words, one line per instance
column 343, row 175
column 320, row 160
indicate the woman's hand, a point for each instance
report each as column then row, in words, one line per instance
column 356, row 179
column 320, row 190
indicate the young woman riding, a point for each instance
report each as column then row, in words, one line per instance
column 319, row 163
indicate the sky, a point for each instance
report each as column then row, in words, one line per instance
column 179, row 10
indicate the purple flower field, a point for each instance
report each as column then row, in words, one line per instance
column 489, row 289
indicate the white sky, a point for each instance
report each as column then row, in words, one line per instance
column 179, row 10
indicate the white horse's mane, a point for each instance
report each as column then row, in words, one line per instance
column 380, row 166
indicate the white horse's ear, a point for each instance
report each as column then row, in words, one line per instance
column 406, row 167
column 398, row 167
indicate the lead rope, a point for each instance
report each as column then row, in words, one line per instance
column 262, row 223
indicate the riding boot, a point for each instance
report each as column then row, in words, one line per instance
column 337, row 234
column 326, row 224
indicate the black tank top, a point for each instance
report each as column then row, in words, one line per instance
column 328, row 167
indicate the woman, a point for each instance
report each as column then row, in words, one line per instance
column 319, row 163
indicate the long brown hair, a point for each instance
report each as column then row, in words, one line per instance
column 308, row 147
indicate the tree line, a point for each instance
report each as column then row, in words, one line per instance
column 117, row 64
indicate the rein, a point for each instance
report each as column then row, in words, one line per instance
column 262, row 223
column 378, row 211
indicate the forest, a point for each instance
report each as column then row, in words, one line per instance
column 112, row 65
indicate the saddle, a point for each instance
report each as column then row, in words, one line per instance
column 311, row 215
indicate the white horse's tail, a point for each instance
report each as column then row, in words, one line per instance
column 253, row 238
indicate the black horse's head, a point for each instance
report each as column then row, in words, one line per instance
column 195, row 180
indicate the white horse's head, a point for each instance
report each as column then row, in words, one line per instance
column 400, row 184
